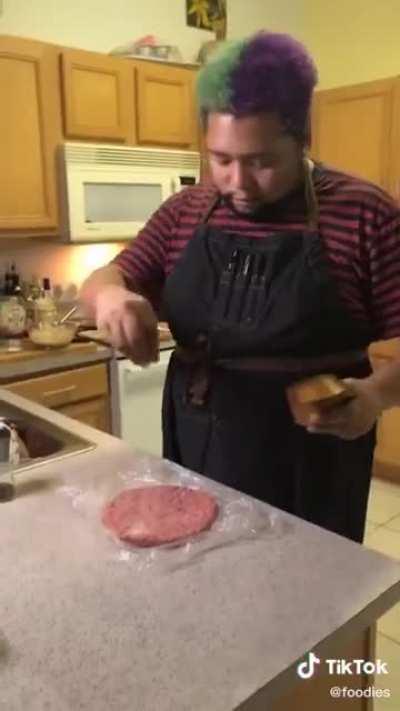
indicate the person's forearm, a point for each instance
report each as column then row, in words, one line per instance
column 96, row 282
column 386, row 384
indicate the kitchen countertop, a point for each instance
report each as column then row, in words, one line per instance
column 61, row 361
column 82, row 630
column 51, row 362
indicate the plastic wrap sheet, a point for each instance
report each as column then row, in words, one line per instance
column 240, row 517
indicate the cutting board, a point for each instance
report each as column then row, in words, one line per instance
column 30, row 351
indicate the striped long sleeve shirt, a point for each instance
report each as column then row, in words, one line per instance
column 358, row 223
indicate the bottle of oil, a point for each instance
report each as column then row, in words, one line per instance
column 8, row 281
column 13, row 279
column 45, row 306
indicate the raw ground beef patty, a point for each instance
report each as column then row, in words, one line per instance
column 153, row 515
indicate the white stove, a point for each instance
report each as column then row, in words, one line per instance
column 140, row 399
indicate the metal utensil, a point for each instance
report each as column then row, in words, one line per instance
column 66, row 316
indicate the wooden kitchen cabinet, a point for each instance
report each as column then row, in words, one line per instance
column 30, row 129
column 355, row 129
column 81, row 393
column 49, row 93
column 387, row 451
column 314, row 694
column 165, row 104
column 98, row 96
column 94, row 412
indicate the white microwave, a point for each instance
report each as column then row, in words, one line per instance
column 109, row 192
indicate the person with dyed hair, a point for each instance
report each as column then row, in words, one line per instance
column 276, row 269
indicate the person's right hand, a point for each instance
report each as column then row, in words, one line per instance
column 130, row 323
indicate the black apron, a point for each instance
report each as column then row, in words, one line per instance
column 232, row 300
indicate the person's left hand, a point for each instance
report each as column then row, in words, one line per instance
column 353, row 418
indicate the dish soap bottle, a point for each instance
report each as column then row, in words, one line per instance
column 12, row 450
column 6, row 474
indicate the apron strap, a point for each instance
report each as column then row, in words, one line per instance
column 310, row 196
column 276, row 364
column 292, row 365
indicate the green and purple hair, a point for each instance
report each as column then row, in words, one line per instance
column 268, row 72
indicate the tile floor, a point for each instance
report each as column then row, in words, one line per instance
column 383, row 534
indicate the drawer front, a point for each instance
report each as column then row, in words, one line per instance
column 63, row 388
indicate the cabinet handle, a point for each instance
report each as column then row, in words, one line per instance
column 59, row 391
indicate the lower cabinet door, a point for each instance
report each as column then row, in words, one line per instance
column 95, row 413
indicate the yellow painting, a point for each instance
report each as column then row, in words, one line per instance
column 206, row 14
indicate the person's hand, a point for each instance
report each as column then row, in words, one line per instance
column 130, row 323
column 352, row 419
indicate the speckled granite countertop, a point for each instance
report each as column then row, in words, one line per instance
column 80, row 630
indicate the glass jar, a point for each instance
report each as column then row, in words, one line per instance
column 12, row 317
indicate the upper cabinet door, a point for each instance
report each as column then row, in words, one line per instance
column 98, row 96
column 395, row 145
column 30, row 129
column 165, row 105
column 352, row 129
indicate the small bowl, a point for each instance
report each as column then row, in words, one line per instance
column 52, row 336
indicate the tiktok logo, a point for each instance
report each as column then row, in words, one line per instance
column 307, row 669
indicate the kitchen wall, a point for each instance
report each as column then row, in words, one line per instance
column 101, row 25
column 66, row 266
column 353, row 41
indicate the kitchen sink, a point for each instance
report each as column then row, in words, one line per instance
column 43, row 441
